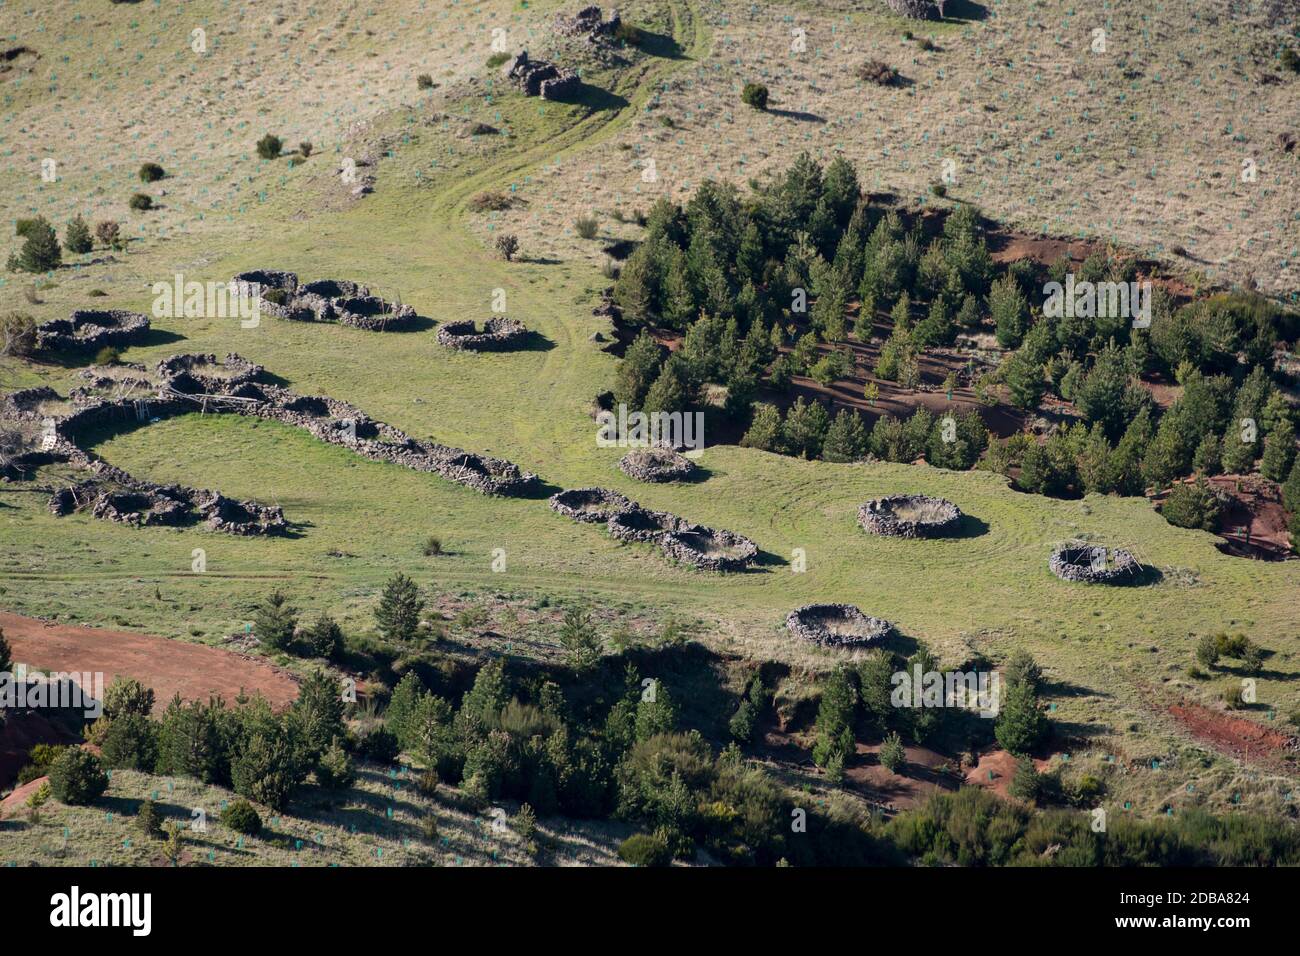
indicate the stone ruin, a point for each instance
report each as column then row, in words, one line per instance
column 589, row 24
column 915, row 9
column 910, row 516
column 540, row 78
column 710, row 549
column 1094, row 564
column 836, row 625
column 656, row 463
column 339, row 301
column 184, row 383
column 92, row 329
column 591, row 505
column 498, row 335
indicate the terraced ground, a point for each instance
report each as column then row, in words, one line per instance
column 1117, row 656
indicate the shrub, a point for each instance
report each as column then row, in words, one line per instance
column 878, row 72
column 325, row 637
column 109, row 233
column 17, row 334
column 508, row 247
column 151, row 173
column 525, row 823
column 754, row 95
column 497, row 59
column 380, row 745
column 646, row 849
column 6, row 654
column 490, row 201
column 108, row 355
column 39, row 761
column 1022, row 668
column 892, row 754
column 131, row 743
column 1207, row 650
column 424, row 81
column 432, row 546
column 141, row 202
column 1230, row 694
column 77, row 777
column 1291, row 60
column 1026, row 782
column 939, row 189
column 40, row 251
column 627, row 33
column 274, row 622
column 127, row 696
column 148, row 819
column 586, row 226
column 76, row 237
column 267, row 769
column 240, row 816
column 305, row 148
column 269, row 146
column 1192, row 505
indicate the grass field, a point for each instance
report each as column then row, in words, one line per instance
column 1116, row 655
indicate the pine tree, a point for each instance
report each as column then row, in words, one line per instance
column 1020, row 726
column 750, row 257
column 275, row 621
column 635, row 291
column 1010, row 311
column 76, row 238
column 637, row 371
column 1279, row 451
column 40, row 251
column 6, row 654
column 398, row 613
column 937, row 328
column 846, row 439
column 1291, row 489
column 765, row 430
column 671, row 391
column 401, row 705
column 805, row 429
column 318, row 713
column 834, row 726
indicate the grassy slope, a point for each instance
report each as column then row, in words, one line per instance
column 992, row 591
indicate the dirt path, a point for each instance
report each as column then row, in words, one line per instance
column 170, row 667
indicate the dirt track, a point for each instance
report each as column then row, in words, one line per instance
column 193, row 670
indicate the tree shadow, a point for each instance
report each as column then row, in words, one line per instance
column 799, row 115
column 596, row 98
column 972, row 527
column 661, row 45
column 535, row 342
column 957, row 11
column 416, row 323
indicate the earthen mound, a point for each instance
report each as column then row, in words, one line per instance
column 836, row 625
column 656, row 464
column 1094, row 564
column 498, row 335
column 910, row 516
column 593, row 505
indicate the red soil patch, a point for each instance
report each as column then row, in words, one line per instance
column 1234, row 736
column 1252, row 521
column 995, row 770
column 194, row 671
column 1009, row 247
column 19, row 733
column 16, row 802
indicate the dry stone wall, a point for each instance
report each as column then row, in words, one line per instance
column 836, row 625
column 498, row 335
column 92, row 329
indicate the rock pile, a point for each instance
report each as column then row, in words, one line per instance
column 540, row 78
column 92, row 329
column 656, row 463
column 339, row 301
column 910, row 516
column 119, row 497
column 710, row 549
column 915, row 9
column 589, row 24
column 1094, row 564
column 498, row 335
column 836, row 625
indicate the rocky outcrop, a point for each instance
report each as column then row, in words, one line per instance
column 592, row 505
column 836, row 625
column 540, row 78
column 498, row 335
column 92, row 329
column 656, row 464
column 910, row 516
column 1094, row 564
column 338, row 301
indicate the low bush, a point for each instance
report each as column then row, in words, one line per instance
column 77, row 777
column 754, row 95
column 141, row 202
column 269, row 146
column 646, row 849
column 151, row 173
column 240, row 816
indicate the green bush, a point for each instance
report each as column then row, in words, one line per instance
column 141, row 202
column 240, row 816
column 380, row 745
column 645, row 849
column 40, row 251
column 267, row 769
column 1192, row 505
column 275, row 621
column 325, row 637
column 305, row 148
column 892, row 755
column 148, row 819
column 77, row 777
column 586, row 226
column 755, row 95
column 269, row 146
column 76, row 237
column 39, row 761
column 127, row 696
column 495, row 60
column 424, row 81
column 131, row 743
column 17, row 334
column 151, row 173
column 336, row 770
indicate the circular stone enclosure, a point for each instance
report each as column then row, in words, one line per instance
column 641, row 524
column 836, row 625
column 910, row 516
column 711, row 549
column 593, row 505
column 1094, row 564
column 656, row 464
column 498, row 335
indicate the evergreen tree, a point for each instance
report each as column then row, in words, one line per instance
column 1279, row 451
column 750, row 256
column 76, row 238
column 846, row 438
column 1025, row 377
column 1021, row 725
column 806, row 424
column 40, row 251
column 671, row 391
column 275, row 621
column 765, row 430
column 834, row 725
column 1010, row 311
column 1291, row 489
column 634, row 290
column 6, row 655
column 398, row 613
column 401, row 705
column 937, row 328
column 637, row 371
column 317, row 714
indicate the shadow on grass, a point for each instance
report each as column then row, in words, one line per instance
column 661, row 45
column 799, row 115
